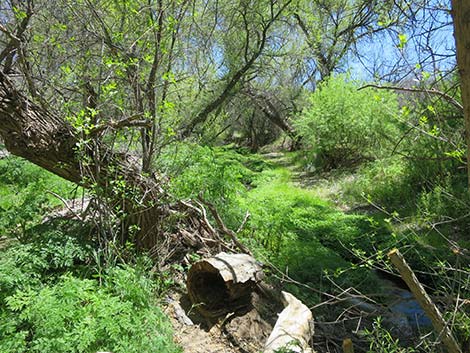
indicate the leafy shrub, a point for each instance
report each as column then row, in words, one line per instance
column 432, row 137
column 53, row 249
column 45, row 305
column 77, row 315
column 344, row 125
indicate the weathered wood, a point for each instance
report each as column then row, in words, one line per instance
column 425, row 301
column 461, row 16
column 293, row 329
column 348, row 346
column 223, row 283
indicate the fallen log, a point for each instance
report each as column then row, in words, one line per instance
column 293, row 329
column 223, row 284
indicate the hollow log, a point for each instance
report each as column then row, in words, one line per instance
column 293, row 329
column 223, row 283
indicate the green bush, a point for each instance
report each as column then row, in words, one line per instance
column 47, row 306
column 53, row 249
column 432, row 136
column 77, row 315
column 344, row 125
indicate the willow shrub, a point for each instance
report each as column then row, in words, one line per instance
column 344, row 125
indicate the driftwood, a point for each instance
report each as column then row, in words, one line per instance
column 425, row 301
column 223, row 284
column 293, row 329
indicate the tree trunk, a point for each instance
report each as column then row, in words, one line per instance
column 43, row 138
column 37, row 135
column 461, row 16
column 264, row 103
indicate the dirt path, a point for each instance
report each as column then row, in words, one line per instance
column 243, row 332
column 190, row 333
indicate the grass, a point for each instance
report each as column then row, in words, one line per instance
column 309, row 237
column 27, row 194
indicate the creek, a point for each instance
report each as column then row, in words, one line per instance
column 402, row 305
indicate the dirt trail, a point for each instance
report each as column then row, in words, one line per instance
column 243, row 332
column 189, row 330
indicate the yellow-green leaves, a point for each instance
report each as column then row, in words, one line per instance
column 402, row 40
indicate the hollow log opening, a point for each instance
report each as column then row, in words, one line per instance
column 223, row 283
column 209, row 289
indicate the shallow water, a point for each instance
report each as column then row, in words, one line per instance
column 400, row 301
column 406, row 304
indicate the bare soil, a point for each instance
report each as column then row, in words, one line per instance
column 241, row 332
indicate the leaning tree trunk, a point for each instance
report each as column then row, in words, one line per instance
column 35, row 134
column 45, row 139
column 461, row 16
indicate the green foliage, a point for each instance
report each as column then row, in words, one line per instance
column 444, row 203
column 53, row 249
column 305, row 235
column 344, row 125
column 55, row 294
column 219, row 174
column 381, row 341
column 23, row 194
column 80, row 316
column 47, row 306
column 431, row 141
column 385, row 182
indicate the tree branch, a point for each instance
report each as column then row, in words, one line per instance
column 436, row 92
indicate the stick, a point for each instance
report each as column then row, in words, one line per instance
column 223, row 228
column 348, row 346
column 425, row 301
column 444, row 95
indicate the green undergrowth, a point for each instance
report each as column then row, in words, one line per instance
column 56, row 297
column 308, row 237
column 27, row 194
column 427, row 213
column 219, row 174
column 58, row 292
column 292, row 227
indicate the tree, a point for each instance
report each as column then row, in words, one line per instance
column 93, row 92
column 332, row 29
column 72, row 71
column 94, row 100
column 461, row 13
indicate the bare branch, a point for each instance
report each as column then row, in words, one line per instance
column 433, row 91
column 116, row 125
column 223, row 228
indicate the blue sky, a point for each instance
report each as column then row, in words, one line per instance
column 427, row 49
